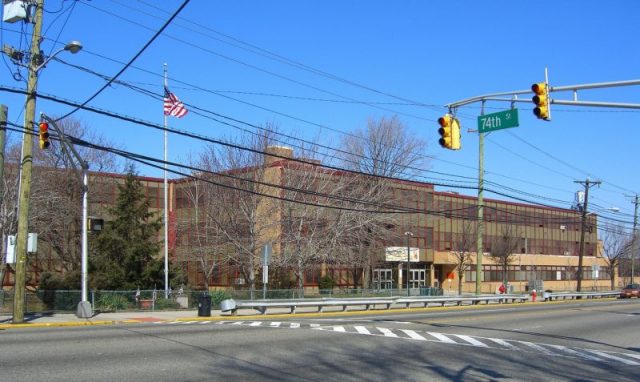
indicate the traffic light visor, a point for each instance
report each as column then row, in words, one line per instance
column 539, row 88
column 445, row 120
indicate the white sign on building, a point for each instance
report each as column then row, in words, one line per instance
column 400, row 254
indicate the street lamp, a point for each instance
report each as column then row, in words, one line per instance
column 73, row 47
column 408, row 235
column 26, row 161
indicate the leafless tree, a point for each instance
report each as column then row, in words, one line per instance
column 240, row 185
column 616, row 245
column 314, row 225
column 504, row 249
column 463, row 246
column 384, row 149
column 56, row 197
column 204, row 241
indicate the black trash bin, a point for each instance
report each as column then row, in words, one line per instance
column 204, row 305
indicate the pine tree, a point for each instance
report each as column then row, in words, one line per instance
column 125, row 253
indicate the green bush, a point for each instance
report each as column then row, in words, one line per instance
column 326, row 283
column 163, row 303
column 112, row 302
column 217, row 296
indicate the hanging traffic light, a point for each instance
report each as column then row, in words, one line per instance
column 541, row 100
column 44, row 135
column 449, row 132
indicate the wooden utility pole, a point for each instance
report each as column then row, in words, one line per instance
column 634, row 238
column 26, row 165
column 587, row 184
column 3, row 137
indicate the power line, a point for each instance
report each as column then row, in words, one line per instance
column 279, row 58
column 166, row 24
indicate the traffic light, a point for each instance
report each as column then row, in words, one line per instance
column 449, row 132
column 541, row 100
column 44, row 135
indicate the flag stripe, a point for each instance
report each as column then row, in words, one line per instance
column 173, row 106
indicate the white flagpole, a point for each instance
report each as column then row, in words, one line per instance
column 166, row 201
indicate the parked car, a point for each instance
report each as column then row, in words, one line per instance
column 631, row 290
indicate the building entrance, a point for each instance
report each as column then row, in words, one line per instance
column 382, row 278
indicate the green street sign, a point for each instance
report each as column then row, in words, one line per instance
column 497, row 121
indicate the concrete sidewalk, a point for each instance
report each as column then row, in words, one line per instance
column 70, row 319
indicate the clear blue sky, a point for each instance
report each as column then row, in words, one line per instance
column 432, row 52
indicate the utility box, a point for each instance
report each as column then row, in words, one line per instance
column 32, row 246
column 14, row 11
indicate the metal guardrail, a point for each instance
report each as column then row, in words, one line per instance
column 262, row 305
column 547, row 296
column 232, row 306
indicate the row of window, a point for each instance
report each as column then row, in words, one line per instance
column 532, row 272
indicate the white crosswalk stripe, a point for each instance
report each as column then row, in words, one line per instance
column 537, row 347
column 631, row 359
column 442, row 338
column 613, row 357
column 387, row 332
column 580, row 354
column 503, row 343
column 413, row 334
column 472, row 341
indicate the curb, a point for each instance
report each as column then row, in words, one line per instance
column 58, row 324
column 325, row 314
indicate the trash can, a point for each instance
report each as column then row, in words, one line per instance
column 204, row 305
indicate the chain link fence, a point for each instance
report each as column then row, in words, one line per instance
column 52, row 301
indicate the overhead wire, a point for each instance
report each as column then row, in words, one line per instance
column 153, row 38
column 257, row 68
column 216, row 141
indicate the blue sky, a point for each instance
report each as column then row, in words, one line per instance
column 431, row 52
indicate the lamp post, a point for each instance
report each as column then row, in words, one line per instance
column 408, row 235
column 26, row 161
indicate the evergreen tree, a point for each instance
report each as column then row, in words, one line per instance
column 125, row 253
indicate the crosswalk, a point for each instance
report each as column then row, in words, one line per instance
column 630, row 359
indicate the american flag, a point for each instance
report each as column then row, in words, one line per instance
column 172, row 105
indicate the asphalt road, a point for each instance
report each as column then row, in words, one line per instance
column 576, row 341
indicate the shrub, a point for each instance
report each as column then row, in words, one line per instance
column 326, row 283
column 217, row 296
column 163, row 303
column 112, row 302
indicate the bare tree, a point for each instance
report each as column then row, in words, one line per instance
column 314, row 225
column 384, row 149
column 55, row 207
column 616, row 244
column 207, row 246
column 240, row 184
column 504, row 248
column 463, row 246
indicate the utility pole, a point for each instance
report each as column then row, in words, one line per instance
column 480, row 227
column 3, row 137
column 634, row 237
column 587, row 184
column 26, row 165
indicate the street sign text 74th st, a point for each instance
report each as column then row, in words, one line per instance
column 497, row 121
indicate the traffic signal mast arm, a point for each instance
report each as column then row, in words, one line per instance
column 573, row 88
